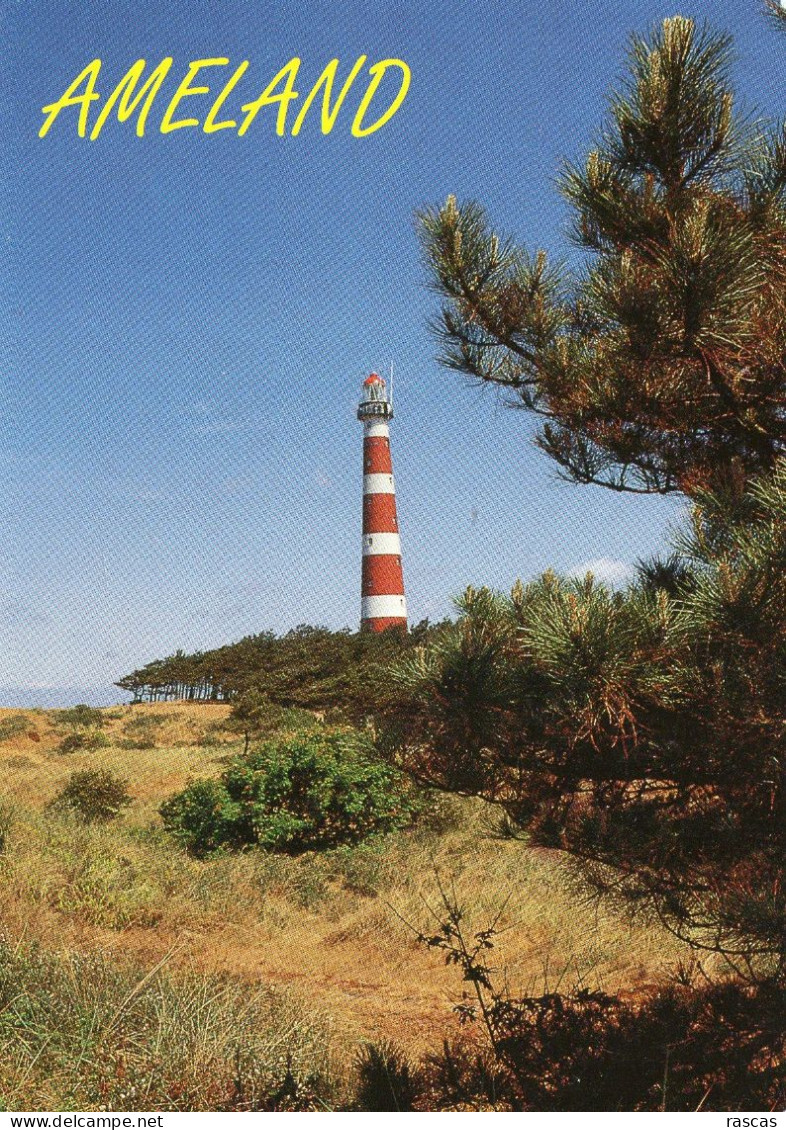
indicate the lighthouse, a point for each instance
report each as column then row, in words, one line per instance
column 382, row 601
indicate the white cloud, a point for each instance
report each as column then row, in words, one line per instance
column 606, row 570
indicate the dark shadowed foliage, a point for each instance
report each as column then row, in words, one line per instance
column 689, row 1045
column 641, row 732
column 387, row 1080
column 720, row 1048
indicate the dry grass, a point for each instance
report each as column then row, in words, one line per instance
column 328, row 925
column 91, row 1031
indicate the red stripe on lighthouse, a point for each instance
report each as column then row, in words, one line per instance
column 376, row 456
column 382, row 573
column 379, row 514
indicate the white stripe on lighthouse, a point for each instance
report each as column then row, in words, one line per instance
column 381, row 607
column 378, row 484
column 376, row 428
column 381, row 543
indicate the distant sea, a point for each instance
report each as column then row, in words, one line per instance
column 46, row 697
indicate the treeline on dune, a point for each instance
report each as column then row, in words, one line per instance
column 310, row 668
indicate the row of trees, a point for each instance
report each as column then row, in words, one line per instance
column 308, row 668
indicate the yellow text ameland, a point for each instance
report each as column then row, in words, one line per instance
column 135, row 94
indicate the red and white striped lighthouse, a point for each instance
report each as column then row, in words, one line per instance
column 382, row 602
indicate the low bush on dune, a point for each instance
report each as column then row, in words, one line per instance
column 13, row 726
column 143, row 731
column 81, row 717
column 316, row 790
column 83, row 741
column 94, row 795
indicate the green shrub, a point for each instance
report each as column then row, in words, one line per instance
column 96, row 795
column 205, row 818
column 316, row 790
column 80, row 717
column 13, row 726
column 83, row 740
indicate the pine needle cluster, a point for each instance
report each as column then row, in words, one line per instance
column 661, row 365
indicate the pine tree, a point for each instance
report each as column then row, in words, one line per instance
column 641, row 732
column 661, row 366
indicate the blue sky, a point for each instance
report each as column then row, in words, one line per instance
column 186, row 320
